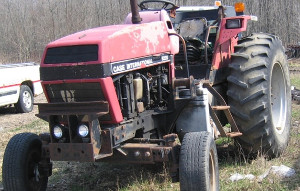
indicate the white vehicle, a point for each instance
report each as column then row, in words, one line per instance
column 18, row 84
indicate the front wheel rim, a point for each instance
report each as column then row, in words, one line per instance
column 33, row 176
column 27, row 99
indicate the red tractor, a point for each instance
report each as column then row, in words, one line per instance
column 158, row 88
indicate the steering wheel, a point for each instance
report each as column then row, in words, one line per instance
column 167, row 5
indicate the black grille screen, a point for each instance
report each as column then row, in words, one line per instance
column 74, row 92
column 71, row 54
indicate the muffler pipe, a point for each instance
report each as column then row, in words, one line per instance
column 136, row 18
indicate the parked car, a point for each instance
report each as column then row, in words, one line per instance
column 19, row 83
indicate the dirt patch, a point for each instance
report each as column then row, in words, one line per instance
column 10, row 119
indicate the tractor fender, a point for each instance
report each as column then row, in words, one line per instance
column 195, row 115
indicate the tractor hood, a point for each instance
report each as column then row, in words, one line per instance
column 109, row 44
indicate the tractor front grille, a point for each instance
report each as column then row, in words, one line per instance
column 71, row 54
column 74, row 92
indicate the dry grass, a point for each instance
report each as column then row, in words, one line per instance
column 102, row 176
column 36, row 126
column 291, row 158
column 75, row 176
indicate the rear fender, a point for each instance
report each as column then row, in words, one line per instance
column 226, row 34
column 226, row 40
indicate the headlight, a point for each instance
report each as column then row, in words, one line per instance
column 57, row 132
column 83, row 130
column 233, row 23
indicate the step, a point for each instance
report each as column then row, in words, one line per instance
column 234, row 134
column 220, row 107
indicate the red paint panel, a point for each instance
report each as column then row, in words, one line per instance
column 224, row 45
column 13, row 85
column 162, row 15
column 18, row 84
column 172, row 70
column 222, row 55
column 136, row 41
column 45, row 93
column 10, row 86
column 87, row 37
column 109, row 92
column 118, row 42
column 226, row 34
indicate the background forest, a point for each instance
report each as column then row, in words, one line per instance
column 26, row 26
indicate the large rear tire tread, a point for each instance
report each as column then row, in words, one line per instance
column 250, row 87
column 15, row 163
column 198, row 162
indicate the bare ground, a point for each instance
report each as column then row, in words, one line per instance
column 10, row 119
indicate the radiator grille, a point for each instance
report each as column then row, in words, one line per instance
column 71, row 54
column 74, row 92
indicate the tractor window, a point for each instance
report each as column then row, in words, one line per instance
column 189, row 15
column 192, row 28
column 156, row 6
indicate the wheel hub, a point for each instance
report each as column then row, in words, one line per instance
column 27, row 100
column 36, row 173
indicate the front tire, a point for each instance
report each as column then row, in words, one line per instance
column 21, row 164
column 25, row 102
column 198, row 162
column 259, row 94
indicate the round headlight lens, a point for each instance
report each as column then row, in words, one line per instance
column 57, row 132
column 83, row 130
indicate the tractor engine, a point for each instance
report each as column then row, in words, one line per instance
column 146, row 89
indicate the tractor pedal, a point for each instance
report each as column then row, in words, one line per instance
column 220, row 108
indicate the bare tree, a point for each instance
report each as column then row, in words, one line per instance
column 26, row 26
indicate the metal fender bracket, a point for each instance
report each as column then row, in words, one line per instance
column 235, row 132
column 184, row 88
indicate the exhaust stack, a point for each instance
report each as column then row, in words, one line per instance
column 136, row 18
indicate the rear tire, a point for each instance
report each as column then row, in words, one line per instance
column 21, row 164
column 198, row 162
column 259, row 94
column 25, row 102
